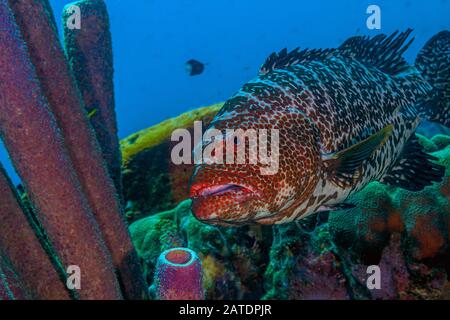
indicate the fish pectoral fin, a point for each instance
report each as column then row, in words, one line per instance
column 343, row 166
column 414, row 170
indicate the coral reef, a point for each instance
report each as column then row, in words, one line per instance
column 304, row 265
column 151, row 182
column 234, row 259
column 71, row 212
column 178, row 275
column 44, row 127
column 405, row 233
column 381, row 210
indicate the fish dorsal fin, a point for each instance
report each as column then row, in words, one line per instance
column 342, row 166
column 284, row 59
column 383, row 52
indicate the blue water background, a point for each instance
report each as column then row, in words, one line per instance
column 152, row 40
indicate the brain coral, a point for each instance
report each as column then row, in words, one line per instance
column 381, row 210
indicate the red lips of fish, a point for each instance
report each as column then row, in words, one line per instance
column 213, row 196
column 204, row 190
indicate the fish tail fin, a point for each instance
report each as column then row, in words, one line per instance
column 433, row 61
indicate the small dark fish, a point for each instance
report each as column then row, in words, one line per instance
column 194, row 67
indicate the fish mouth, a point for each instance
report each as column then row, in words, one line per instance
column 228, row 189
column 213, row 204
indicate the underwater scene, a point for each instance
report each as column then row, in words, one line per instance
column 225, row 150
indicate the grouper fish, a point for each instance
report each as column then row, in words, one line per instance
column 346, row 117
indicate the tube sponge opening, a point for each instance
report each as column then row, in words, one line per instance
column 178, row 275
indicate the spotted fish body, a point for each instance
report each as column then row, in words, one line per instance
column 346, row 117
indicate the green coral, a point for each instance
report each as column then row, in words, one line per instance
column 159, row 232
column 428, row 145
column 441, row 141
column 157, row 134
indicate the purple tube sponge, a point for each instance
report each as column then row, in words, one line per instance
column 11, row 287
column 34, row 19
column 37, row 149
column 178, row 275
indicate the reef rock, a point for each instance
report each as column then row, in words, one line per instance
column 151, row 182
